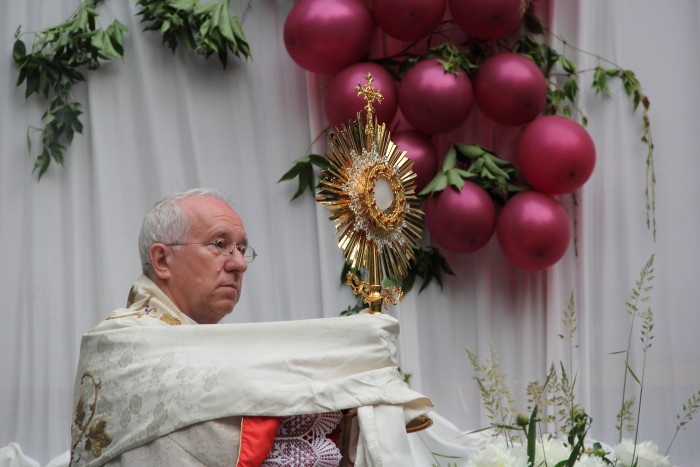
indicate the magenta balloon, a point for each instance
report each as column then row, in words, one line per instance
column 419, row 148
column 486, row 19
column 408, row 20
column 555, row 154
column 343, row 103
column 325, row 36
column 461, row 221
column 510, row 89
column 434, row 101
column 533, row 230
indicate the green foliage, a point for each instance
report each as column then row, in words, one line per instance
column 208, row 29
column 472, row 162
column 452, row 59
column 356, row 308
column 406, row 377
column 639, row 294
column 496, row 397
column 303, row 169
column 689, row 410
column 531, row 433
column 429, row 264
column 624, row 417
column 563, row 78
column 55, row 63
column 552, row 402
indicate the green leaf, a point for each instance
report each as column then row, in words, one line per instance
column 306, row 180
column 571, row 89
column 450, row 159
column 472, row 151
column 42, row 163
column 532, row 437
column 632, row 373
column 291, row 173
column 32, row 83
column 600, row 80
column 454, row 179
column 319, row 161
column 225, row 27
column 19, row 51
column 438, row 183
column 567, row 65
column 115, row 32
column 184, row 5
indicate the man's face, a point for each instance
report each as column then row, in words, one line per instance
column 204, row 284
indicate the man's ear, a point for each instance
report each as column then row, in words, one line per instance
column 160, row 260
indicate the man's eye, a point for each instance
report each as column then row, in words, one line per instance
column 220, row 244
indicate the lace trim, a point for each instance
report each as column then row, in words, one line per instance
column 301, row 441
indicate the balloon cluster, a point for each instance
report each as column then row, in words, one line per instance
column 554, row 154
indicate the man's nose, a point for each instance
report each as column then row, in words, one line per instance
column 236, row 261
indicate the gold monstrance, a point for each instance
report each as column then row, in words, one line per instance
column 369, row 189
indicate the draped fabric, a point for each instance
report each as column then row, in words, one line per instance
column 157, row 123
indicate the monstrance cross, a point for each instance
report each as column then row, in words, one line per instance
column 370, row 95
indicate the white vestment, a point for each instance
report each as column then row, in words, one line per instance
column 140, row 380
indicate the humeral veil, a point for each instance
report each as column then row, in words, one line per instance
column 140, row 378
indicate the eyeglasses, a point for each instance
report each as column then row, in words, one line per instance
column 225, row 249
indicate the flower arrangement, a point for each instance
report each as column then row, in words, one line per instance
column 554, row 434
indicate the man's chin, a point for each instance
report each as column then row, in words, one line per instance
column 226, row 306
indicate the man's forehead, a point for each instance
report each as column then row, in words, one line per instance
column 207, row 212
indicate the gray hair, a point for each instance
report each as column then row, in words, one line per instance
column 166, row 223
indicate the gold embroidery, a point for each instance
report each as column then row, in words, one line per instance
column 171, row 320
column 144, row 305
column 94, row 432
column 137, row 311
column 97, row 438
column 132, row 296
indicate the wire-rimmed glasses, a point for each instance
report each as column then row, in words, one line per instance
column 225, row 249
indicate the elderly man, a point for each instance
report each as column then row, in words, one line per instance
column 151, row 392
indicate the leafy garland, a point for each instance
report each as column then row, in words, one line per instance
column 60, row 53
column 498, row 177
column 208, row 29
column 52, row 68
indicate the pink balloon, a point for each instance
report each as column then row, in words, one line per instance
column 325, row 36
column 419, row 148
column 486, row 19
column 461, row 221
column 533, row 230
column 343, row 103
column 408, row 20
column 556, row 155
column 510, row 89
column 434, row 101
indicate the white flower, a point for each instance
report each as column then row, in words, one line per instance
column 551, row 451
column 497, row 454
column 588, row 460
column 647, row 452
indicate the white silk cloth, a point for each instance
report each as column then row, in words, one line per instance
column 139, row 379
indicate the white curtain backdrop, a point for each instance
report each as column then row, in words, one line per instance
column 158, row 123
